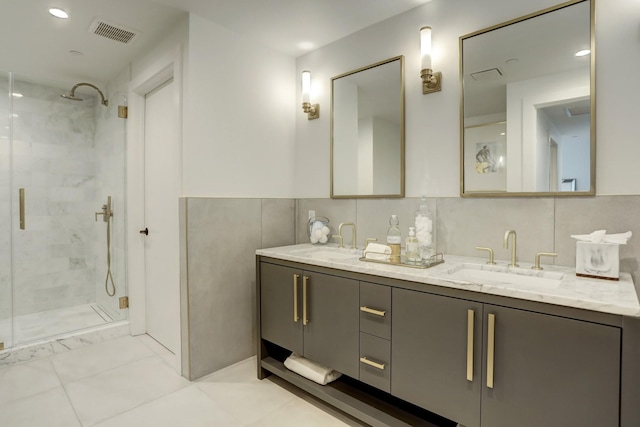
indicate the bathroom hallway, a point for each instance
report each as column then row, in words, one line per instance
column 128, row 381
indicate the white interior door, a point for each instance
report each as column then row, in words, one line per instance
column 161, row 191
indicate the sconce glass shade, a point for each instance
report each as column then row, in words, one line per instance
column 313, row 111
column 425, row 48
column 306, row 86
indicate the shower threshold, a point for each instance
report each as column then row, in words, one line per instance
column 46, row 324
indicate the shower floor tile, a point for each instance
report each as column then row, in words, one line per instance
column 36, row 326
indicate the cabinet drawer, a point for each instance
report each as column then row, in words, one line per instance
column 375, row 309
column 375, row 358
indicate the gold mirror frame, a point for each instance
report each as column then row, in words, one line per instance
column 592, row 102
column 401, row 107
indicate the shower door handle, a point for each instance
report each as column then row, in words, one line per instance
column 21, row 196
column 145, row 231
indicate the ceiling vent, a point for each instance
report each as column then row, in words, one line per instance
column 113, row 31
column 490, row 74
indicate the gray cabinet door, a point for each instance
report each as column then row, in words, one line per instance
column 551, row 371
column 278, row 307
column 429, row 354
column 331, row 332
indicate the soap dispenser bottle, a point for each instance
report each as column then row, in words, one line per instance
column 411, row 247
column 394, row 239
column 424, row 230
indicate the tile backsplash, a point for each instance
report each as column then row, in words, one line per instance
column 542, row 224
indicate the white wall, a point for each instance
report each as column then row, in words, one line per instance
column 238, row 116
column 432, row 121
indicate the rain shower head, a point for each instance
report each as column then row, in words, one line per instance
column 72, row 95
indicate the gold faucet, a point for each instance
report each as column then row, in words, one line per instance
column 482, row 248
column 353, row 234
column 536, row 266
column 513, row 246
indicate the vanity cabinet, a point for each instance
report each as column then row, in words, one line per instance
column 549, row 371
column 475, row 359
column 436, row 354
column 312, row 314
column 538, row 370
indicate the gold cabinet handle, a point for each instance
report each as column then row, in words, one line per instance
column 372, row 363
column 305, row 281
column 470, row 321
column 295, row 298
column 21, row 195
column 372, row 311
column 491, row 340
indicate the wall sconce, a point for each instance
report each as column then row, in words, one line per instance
column 313, row 111
column 431, row 81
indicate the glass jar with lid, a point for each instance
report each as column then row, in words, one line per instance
column 425, row 230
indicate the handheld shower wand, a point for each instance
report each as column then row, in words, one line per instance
column 107, row 213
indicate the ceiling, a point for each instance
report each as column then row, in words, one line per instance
column 39, row 45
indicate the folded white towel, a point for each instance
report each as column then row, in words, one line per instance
column 621, row 238
column 601, row 236
column 311, row 370
column 377, row 252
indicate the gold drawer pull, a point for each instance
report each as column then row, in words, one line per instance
column 491, row 341
column 372, row 363
column 372, row 311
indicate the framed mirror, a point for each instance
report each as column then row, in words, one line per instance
column 527, row 105
column 367, row 131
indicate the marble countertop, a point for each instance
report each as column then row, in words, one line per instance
column 553, row 285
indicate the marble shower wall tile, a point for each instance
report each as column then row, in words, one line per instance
column 464, row 224
column 616, row 214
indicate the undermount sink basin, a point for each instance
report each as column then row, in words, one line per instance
column 503, row 276
column 328, row 253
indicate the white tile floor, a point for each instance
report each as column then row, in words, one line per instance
column 127, row 382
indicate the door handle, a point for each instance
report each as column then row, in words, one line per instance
column 295, row 298
column 145, row 231
column 305, row 319
column 470, row 326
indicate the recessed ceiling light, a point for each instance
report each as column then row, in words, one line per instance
column 76, row 53
column 58, row 13
column 584, row 52
column 512, row 61
column 305, row 45
column 16, row 95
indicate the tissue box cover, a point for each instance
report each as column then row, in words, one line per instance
column 598, row 260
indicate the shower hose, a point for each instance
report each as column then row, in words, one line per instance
column 109, row 277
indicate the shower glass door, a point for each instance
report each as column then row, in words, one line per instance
column 67, row 159
column 6, row 305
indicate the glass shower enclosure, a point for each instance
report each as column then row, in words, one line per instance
column 60, row 162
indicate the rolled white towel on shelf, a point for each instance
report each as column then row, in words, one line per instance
column 311, row 370
column 377, row 252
